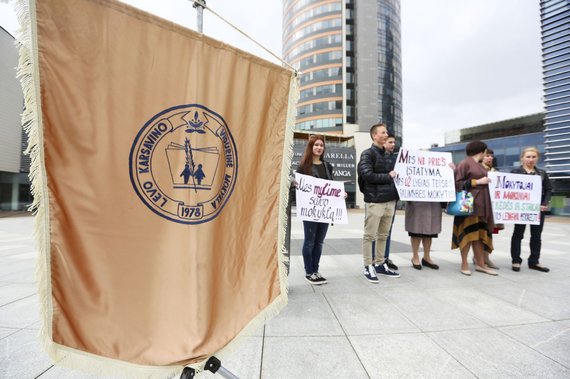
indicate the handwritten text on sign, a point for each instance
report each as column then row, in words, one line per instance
column 320, row 200
column 424, row 176
column 515, row 198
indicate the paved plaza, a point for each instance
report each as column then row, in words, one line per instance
column 428, row 324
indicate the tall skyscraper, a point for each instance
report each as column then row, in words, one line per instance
column 555, row 20
column 349, row 54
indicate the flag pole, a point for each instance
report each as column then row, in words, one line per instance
column 200, row 5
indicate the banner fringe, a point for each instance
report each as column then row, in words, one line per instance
column 31, row 120
column 286, row 178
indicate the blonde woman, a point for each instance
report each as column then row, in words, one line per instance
column 529, row 158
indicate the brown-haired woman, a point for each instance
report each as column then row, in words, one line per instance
column 529, row 157
column 474, row 231
column 489, row 165
column 313, row 164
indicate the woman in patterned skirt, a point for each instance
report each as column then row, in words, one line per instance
column 474, row 231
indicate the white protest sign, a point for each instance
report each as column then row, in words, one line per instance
column 515, row 198
column 320, row 200
column 424, row 176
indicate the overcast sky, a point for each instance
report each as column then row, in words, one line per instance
column 465, row 62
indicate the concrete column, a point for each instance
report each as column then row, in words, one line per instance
column 15, row 196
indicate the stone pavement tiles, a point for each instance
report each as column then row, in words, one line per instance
column 430, row 324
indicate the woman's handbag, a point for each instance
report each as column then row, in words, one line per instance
column 462, row 206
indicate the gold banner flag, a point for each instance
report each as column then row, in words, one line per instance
column 160, row 175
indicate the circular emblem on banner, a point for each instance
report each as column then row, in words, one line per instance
column 183, row 164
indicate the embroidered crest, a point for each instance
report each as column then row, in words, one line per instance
column 183, row 164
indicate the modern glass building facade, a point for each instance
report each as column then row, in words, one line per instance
column 14, row 166
column 555, row 21
column 378, row 64
column 313, row 43
column 507, row 138
column 346, row 80
column 506, row 150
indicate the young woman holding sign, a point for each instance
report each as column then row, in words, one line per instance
column 529, row 157
column 313, row 164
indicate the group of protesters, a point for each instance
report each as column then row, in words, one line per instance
column 422, row 219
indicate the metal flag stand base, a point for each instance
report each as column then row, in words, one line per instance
column 214, row 365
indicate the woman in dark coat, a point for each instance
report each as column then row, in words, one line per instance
column 474, row 231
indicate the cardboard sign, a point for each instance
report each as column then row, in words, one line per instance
column 320, row 200
column 424, row 176
column 515, row 198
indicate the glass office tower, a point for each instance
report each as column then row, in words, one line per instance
column 555, row 20
column 378, row 64
column 313, row 44
column 349, row 54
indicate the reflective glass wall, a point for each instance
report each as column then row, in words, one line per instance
column 506, row 150
column 378, row 84
column 390, row 66
column 555, row 21
column 313, row 44
column 349, row 54
column 507, row 154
